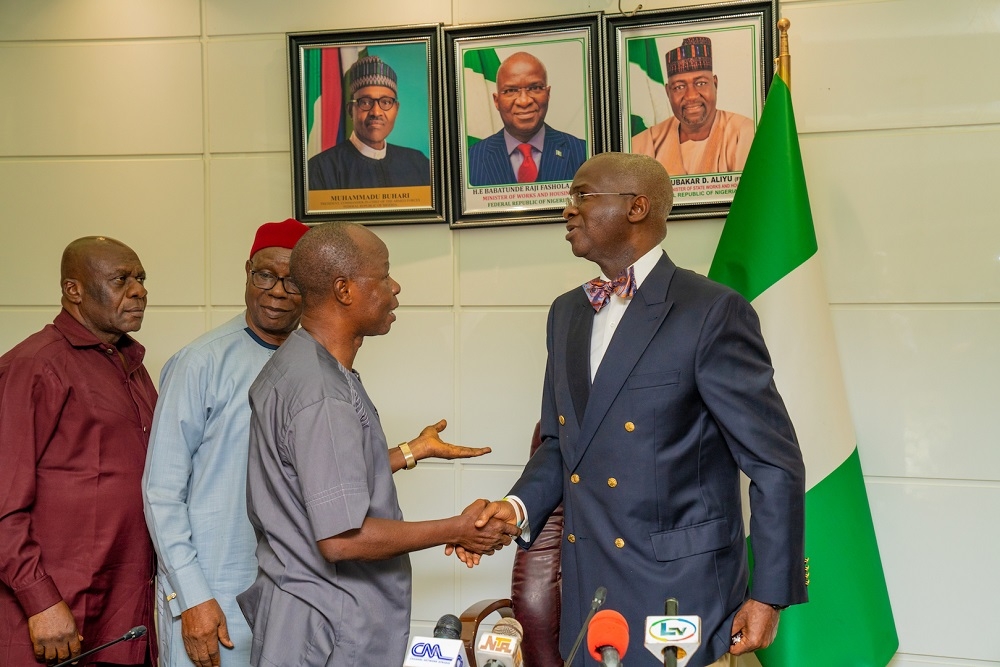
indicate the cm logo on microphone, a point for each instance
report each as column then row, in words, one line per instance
column 672, row 630
column 432, row 652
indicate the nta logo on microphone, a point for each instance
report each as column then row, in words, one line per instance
column 672, row 630
column 497, row 644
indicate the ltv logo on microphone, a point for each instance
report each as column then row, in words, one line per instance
column 672, row 629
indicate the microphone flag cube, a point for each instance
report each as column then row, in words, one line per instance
column 681, row 632
column 432, row 651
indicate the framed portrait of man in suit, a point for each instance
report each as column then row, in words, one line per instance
column 522, row 100
column 687, row 87
column 365, row 139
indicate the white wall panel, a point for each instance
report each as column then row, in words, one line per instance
column 246, row 192
column 124, row 98
column 501, row 364
column 164, row 332
column 98, row 19
column 409, row 373
column 691, row 243
column 516, row 266
column 874, row 65
column 219, row 316
column 19, row 323
column 154, row 206
column 904, row 216
column 923, row 384
column 248, row 95
column 937, row 556
column 430, row 492
column 247, row 17
column 421, row 260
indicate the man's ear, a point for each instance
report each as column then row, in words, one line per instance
column 72, row 290
column 639, row 210
column 342, row 291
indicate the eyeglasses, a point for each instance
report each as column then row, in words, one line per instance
column 576, row 198
column 368, row 103
column 533, row 91
column 265, row 281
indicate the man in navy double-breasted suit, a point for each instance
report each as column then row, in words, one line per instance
column 526, row 150
column 658, row 391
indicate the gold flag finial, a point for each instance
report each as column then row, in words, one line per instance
column 783, row 63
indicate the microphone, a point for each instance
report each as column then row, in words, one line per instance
column 672, row 638
column 501, row 647
column 607, row 637
column 134, row 633
column 448, row 627
column 598, row 600
column 445, row 649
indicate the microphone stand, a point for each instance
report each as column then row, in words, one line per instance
column 134, row 633
column 670, row 653
column 599, row 596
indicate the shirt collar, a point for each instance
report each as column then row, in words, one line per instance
column 643, row 266
column 536, row 142
column 366, row 150
column 80, row 336
column 260, row 341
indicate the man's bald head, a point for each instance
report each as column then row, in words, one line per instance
column 80, row 255
column 642, row 175
column 519, row 60
column 323, row 254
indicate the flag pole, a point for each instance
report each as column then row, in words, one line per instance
column 783, row 63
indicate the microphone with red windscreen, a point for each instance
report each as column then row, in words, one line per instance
column 607, row 637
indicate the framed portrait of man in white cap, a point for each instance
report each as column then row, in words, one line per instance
column 365, row 139
column 687, row 88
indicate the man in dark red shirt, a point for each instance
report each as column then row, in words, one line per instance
column 76, row 562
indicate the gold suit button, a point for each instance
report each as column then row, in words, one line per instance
column 629, row 426
column 571, row 537
column 612, row 482
column 620, row 543
column 574, row 478
column 562, row 420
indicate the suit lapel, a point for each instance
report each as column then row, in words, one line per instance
column 499, row 161
column 642, row 319
column 578, row 354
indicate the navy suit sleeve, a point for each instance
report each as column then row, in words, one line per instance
column 540, row 485
column 735, row 378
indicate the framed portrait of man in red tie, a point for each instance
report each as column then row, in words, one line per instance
column 522, row 100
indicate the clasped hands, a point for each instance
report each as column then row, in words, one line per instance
column 497, row 517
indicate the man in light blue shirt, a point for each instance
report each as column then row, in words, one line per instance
column 194, row 485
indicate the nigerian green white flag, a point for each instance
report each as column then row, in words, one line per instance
column 768, row 253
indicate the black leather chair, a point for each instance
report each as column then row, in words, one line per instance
column 535, row 595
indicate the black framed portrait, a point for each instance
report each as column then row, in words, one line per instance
column 366, row 139
column 523, row 115
column 687, row 87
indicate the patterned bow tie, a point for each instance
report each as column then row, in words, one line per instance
column 599, row 291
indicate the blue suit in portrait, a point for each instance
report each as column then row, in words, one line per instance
column 562, row 155
column 646, row 461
